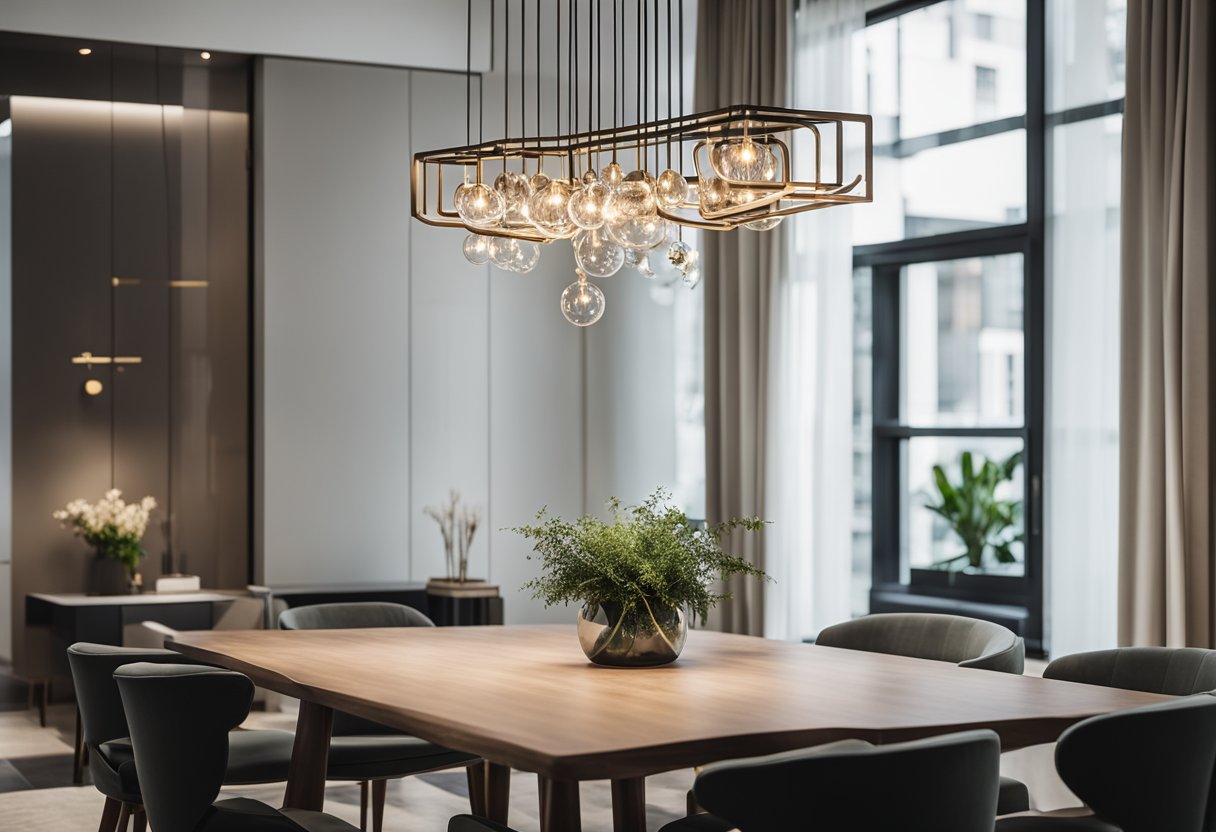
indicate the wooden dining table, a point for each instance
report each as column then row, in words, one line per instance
column 525, row 697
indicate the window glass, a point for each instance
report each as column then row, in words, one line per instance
column 963, row 343
column 922, row 68
column 1086, row 52
column 928, row 540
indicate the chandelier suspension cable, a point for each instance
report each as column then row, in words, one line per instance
column 506, row 74
column 599, row 74
column 557, row 64
column 571, row 102
column 669, row 78
column 538, row 88
column 681, row 69
column 468, row 73
column 523, row 82
column 657, row 143
column 616, row 119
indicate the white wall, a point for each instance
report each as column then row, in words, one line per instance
column 389, row 369
column 416, row 33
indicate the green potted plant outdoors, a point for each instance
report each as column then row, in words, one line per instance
column 635, row 576
column 986, row 524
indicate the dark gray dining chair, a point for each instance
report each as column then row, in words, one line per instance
column 181, row 718
column 363, row 615
column 260, row 756
column 940, row 784
column 967, row 642
column 1174, row 671
column 1146, row 769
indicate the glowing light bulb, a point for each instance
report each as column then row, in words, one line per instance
column 477, row 249
column 764, row 223
column 714, row 194
column 479, row 205
column 597, row 255
column 588, row 204
column 539, row 181
column 504, row 252
column 613, row 175
column 637, row 232
column 634, row 197
column 744, row 159
column 515, row 191
column 671, row 188
column 582, row 303
column 524, row 256
column 549, row 209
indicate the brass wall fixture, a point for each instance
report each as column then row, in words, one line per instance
column 88, row 359
column 172, row 284
column 93, row 387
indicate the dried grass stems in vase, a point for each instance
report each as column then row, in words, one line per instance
column 458, row 524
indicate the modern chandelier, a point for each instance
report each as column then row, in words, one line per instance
column 621, row 192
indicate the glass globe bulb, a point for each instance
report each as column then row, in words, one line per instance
column 634, row 197
column 588, row 204
column 692, row 277
column 744, row 159
column 549, row 209
column 590, row 176
column 764, row 224
column 538, row 181
column 671, row 188
column 503, row 252
column 477, row 249
column 714, row 194
column 637, row 232
column 479, row 205
column 582, row 302
column 524, row 256
column 613, row 175
column 515, row 191
column 597, row 255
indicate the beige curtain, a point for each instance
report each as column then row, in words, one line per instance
column 742, row 57
column 1166, row 593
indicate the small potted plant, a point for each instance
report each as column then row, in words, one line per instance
column 635, row 576
column 115, row 529
column 986, row 524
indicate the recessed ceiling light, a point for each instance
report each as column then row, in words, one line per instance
column 206, row 56
column 84, row 50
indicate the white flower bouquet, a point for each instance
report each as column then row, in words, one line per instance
column 113, row 527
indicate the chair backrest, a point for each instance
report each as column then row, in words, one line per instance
column 967, row 642
column 941, row 784
column 180, row 716
column 93, row 666
column 1146, row 769
column 1176, row 671
column 352, row 615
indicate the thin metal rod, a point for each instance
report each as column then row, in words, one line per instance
column 468, row 72
column 681, row 2
column 616, row 118
column 523, row 74
column 506, row 68
column 669, row 77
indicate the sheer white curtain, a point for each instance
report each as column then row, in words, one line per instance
column 809, row 454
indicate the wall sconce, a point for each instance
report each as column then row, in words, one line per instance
column 93, row 387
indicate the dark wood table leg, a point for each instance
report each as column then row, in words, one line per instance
column 559, row 806
column 498, row 792
column 629, row 805
column 477, row 789
column 309, row 758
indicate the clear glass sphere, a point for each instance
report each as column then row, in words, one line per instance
column 504, row 252
column 744, row 159
column 538, row 181
column 597, row 255
column 637, row 232
column 479, row 205
column 549, row 209
column 671, row 188
column 714, row 194
column 692, row 277
column 525, row 256
column 515, row 191
column 634, row 197
column 590, row 176
column 477, row 249
column 764, row 224
column 588, row 204
column 582, row 303
column 613, row 175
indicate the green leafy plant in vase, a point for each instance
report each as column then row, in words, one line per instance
column 636, row 576
column 113, row 527
column 985, row 523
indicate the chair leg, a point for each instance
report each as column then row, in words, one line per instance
column 139, row 820
column 109, row 815
column 363, row 784
column 46, row 700
column 379, row 788
column 124, row 817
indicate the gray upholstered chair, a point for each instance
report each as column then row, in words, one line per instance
column 181, row 719
column 1142, row 770
column 361, row 615
column 1175, row 671
column 967, row 642
column 942, row 784
column 253, row 756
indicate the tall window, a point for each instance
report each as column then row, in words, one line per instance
column 951, row 286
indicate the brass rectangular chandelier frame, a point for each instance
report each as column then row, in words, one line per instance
column 569, row 157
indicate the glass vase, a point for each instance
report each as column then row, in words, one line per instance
column 643, row 636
